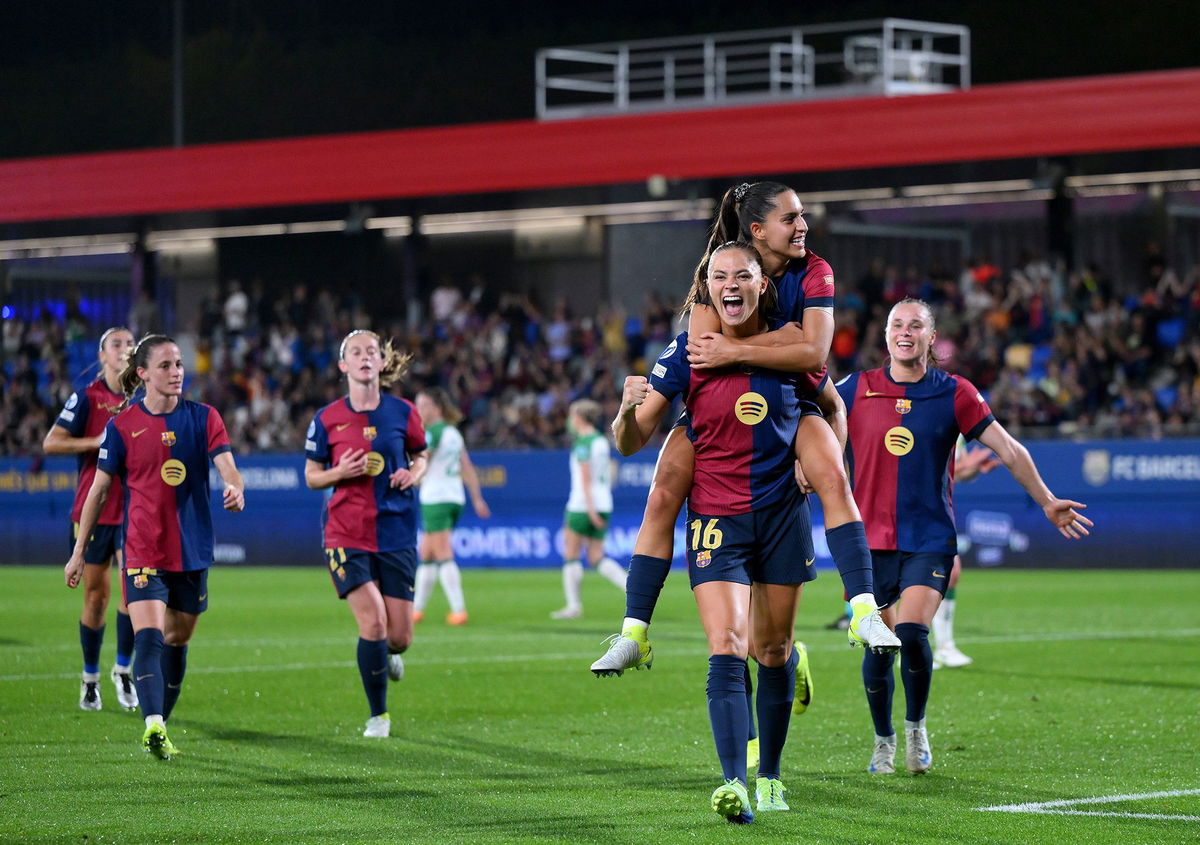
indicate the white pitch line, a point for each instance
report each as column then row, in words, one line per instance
column 1052, row 808
column 681, row 650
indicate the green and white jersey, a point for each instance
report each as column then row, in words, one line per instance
column 442, row 483
column 593, row 450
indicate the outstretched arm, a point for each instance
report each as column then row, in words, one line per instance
column 1061, row 512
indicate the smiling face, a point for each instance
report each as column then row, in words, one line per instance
column 735, row 285
column 163, row 373
column 910, row 333
column 114, row 351
column 361, row 359
column 783, row 231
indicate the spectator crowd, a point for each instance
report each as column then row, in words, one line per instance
column 1056, row 352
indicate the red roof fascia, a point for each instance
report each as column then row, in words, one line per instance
column 1084, row 115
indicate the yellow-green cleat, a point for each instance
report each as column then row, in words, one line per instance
column 732, row 801
column 804, row 681
column 868, row 630
column 156, row 742
column 626, row 650
column 769, row 793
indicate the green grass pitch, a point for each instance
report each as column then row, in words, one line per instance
column 1085, row 686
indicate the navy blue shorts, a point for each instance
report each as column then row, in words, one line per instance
column 395, row 571
column 895, row 571
column 105, row 542
column 772, row 545
column 186, row 592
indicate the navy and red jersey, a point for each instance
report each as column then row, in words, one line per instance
column 900, row 450
column 805, row 283
column 163, row 460
column 742, row 424
column 366, row 512
column 86, row 415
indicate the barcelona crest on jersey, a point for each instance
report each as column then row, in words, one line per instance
column 903, row 406
column 168, row 438
column 369, row 432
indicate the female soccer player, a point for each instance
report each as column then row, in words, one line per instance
column 369, row 447
column 442, row 500
column 160, row 447
column 589, row 507
column 904, row 419
column 771, row 217
column 79, row 430
column 750, row 546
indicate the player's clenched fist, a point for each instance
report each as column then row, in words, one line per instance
column 637, row 388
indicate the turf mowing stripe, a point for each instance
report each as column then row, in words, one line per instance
column 458, row 639
column 578, row 655
column 1053, row 807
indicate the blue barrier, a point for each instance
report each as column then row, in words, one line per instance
column 1143, row 495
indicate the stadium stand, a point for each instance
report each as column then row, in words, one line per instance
column 1058, row 353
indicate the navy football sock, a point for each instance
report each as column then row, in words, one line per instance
column 372, row 665
column 752, row 733
column 643, row 585
column 91, row 639
column 776, row 689
column 880, row 685
column 916, row 668
column 727, row 713
column 124, row 640
column 147, row 670
column 848, row 546
column 174, row 665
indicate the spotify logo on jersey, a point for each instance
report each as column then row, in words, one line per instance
column 898, row 440
column 750, row 408
column 173, row 472
column 374, row 463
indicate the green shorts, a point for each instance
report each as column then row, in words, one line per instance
column 580, row 524
column 440, row 517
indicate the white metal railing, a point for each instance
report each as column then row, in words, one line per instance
column 890, row 56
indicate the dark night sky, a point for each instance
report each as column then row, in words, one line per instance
column 85, row 76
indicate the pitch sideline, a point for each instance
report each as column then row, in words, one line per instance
column 1056, row 807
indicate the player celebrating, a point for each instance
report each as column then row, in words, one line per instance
column 370, row 448
column 904, row 419
column 750, row 540
column 771, row 217
column 78, row 431
column 588, row 508
column 160, row 447
column 442, row 500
